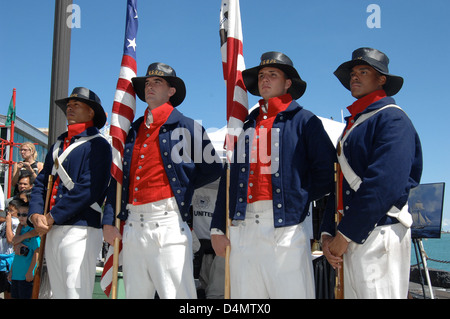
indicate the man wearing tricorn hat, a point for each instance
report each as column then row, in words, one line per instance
column 80, row 161
column 381, row 160
column 283, row 160
column 158, row 184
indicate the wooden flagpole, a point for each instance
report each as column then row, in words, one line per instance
column 115, row 274
column 228, row 224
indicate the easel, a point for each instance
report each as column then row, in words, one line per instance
column 418, row 248
column 427, row 222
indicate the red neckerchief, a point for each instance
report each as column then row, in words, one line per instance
column 275, row 105
column 361, row 104
column 72, row 130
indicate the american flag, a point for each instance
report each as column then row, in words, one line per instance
column 123, row 112
column 124, row 106
column 233, row 65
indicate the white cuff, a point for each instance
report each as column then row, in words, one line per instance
column 216, row 231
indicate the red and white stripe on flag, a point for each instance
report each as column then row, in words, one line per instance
column 107, row 274
column 123, row 112
column 124, row 106
column 233, row 65
column 124, row 109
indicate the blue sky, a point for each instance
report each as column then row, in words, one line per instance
column 316, row 35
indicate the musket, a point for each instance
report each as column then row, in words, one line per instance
column 339, row 285
column 40, row 261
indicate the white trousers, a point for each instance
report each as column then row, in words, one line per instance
column 71, row 254
column 379, row 268
column 157, row 252
column 268, row 262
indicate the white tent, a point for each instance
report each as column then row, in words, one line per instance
column 333, row 128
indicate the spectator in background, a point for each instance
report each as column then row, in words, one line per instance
column 25, row 195
column 20, row 236
column 27, row 165
column 22, row 271
column 7, row 231
column 209, row 269
column 25, row 183
column 2, row 205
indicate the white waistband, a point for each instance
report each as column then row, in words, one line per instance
column 161, row 213
column 262, row 208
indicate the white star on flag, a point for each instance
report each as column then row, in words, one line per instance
column 132, row 43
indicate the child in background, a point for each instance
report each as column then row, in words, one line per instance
column 20, row 236
column 25, row 195
column 24, row 264
column 7, row 231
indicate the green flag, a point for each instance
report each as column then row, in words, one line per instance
column 11, row 116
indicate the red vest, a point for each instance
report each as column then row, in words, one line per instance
column 260, row 180
column 148, row 179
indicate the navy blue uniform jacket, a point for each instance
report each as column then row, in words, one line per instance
column 89, row 167
column 197, row 165
column 304, row 156
column 385, row 152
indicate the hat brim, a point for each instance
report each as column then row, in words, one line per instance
column 99, row 117
column 176, row 82
column 393, row 82
column 250, row 77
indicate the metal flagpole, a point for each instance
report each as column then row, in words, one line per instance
column 60, row 69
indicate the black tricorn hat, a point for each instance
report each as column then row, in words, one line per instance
column 166, row 72
column 376, row 59
column 275, row 60
column 90, row 98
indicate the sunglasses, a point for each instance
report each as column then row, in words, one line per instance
column 22, row 215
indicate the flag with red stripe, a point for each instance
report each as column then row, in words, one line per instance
column 233, row 65
column 107, row 274
column 124, row 106
column 123, row 112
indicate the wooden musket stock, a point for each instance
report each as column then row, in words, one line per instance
column 339, row 286
column 38, row 272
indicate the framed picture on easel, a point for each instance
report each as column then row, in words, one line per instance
column 426, row 203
